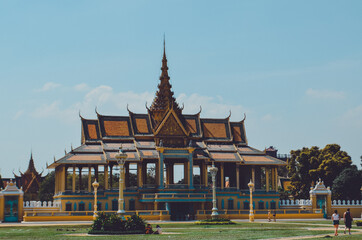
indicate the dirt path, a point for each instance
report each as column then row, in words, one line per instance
column 340, row 232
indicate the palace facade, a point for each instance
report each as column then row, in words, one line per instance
column 161, row 144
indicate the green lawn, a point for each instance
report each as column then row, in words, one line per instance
column 242, row 230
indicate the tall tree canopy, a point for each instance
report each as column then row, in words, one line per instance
column 47, row 187
column 348, row 184
column 307, row 165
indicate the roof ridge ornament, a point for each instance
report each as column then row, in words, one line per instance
column 80, row 115
column 199, row 111
column 244, row 118
column 97, row 112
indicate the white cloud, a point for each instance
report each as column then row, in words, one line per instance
column 81, row 87
column 18, row 114
column 109, row 102
column 325, row 94
column 48, row 86
column 211, row 107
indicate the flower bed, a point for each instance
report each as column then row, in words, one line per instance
column 115, row 225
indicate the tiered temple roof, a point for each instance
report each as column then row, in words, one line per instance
column 164, row 125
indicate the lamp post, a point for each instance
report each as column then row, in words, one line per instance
column 213, row 171
column 251, row 212
column 121, row 159
column 95, row 185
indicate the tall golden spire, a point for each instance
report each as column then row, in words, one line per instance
column 164, row 96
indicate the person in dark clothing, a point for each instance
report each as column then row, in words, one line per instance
column 347, row 221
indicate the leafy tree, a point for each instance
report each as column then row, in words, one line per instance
column 151, row 175
column 46, row 190
column 307, row 165
column 348, row 184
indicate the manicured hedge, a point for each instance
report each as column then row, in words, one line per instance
column 216, row 221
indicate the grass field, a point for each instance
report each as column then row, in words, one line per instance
column 243, row 230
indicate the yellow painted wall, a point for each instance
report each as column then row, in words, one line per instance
column 356, row 211
column 2, row 207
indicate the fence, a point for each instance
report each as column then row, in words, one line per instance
column 336, row 203
column 295, row 203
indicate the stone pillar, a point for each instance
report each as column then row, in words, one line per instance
column 96, row 172
column 126, row 178
column 139, row 175
column 160, row 168
column 20, row 207
column 171, row 173
column 222, row 177
column 80, row 178
column 167, row 173
column 144, row 173
column 253, row 176
column 155, row 206
column 191, row 171
column 267, row 178
column 272, row 179
column 73, row 179
column 237, row 177
column 65, row 178
column 106, row 187
column 56, row 182
column 2, row 206
column 89, row 178
column 186, row 172
column 205, row 174
column 111, row 175
column 276, row 178
column 63, row 175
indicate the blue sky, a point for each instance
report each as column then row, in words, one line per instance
column 294, row 67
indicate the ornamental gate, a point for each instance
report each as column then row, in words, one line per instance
column 11, row 209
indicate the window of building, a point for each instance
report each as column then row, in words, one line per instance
column 81, row 206
column 99, row 206
column 68, row 206
column 260, row 205
column 230, row 204
column 114, row 205
column 246, row 205
column 132, row 204
column 272, row 205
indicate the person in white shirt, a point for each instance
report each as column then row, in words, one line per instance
column 158, row 230
column 335, row 219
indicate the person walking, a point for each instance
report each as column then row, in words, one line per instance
column 335, row 219
column 347, row 217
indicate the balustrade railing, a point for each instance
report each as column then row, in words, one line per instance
column 346, row 203
column 298, row 202
column 39, row 204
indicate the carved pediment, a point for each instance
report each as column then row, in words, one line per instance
column 171, row 126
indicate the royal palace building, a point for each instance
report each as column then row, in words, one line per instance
column 161, row 144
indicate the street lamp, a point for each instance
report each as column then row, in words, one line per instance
column 213, row 171
column 95, row 185
column 121, row 159
column 251, row 213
